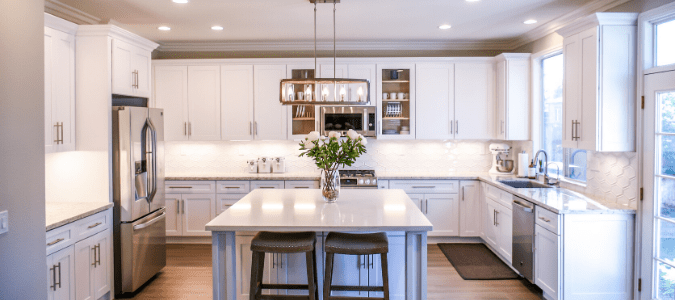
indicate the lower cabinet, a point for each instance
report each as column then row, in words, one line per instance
column 442, row 210
column 546, row 261
column 469, row 209
column 498, row 228
column 92, row 272
column 61, row 275
column 188, row 214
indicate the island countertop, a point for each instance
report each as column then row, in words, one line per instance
column 305, row 210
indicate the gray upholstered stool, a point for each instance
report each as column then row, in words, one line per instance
column 355, row 244
column 283, row 242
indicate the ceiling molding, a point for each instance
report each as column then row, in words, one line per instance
column 69, row 13
column 117, row 33
column 328, row 45
column 560, row 22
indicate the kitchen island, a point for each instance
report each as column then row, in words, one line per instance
column 304, row 210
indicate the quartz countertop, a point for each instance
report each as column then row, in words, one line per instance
column 243, row 176
column 305, row 210
column 58, row 214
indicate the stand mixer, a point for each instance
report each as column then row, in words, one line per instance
column 499, row 164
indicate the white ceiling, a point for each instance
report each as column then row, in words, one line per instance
column 357, row 20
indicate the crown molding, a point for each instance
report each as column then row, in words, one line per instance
column 60, row 24
column 597, row 19
column 328, row 45
column 117, row 33
column 69, row 13
column 564, row 20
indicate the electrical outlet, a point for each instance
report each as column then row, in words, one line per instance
column 4, row 222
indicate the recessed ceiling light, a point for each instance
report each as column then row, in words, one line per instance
column 217, row 27
column 180, row 1
column 446, row 26
column 164, row 28
column 530, row 21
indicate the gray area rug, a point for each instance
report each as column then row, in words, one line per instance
column 476, row 262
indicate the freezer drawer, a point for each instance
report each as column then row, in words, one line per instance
column 143, row 244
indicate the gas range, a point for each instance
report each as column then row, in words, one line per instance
column 358, row 179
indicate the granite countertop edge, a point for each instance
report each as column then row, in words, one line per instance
column 78, row 216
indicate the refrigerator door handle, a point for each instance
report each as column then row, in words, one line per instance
column 152, row 180
column 148, row 223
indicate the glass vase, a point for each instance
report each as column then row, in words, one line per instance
column 330, row 185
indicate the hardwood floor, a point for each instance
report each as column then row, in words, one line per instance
column 188, row 276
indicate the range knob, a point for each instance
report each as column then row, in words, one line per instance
column 360, row 181
column 367, row 181
column 374, row 181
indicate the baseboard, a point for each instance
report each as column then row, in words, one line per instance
column 188, row 240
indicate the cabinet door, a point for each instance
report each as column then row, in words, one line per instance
column 546, row 261
column 204, row 103
column 61, row 270
column 174, row 225
column 50, row 125
column 326, row 71
column 236, row 85
column 243, row 257
column 474, row 101
column 490, row 224
column 84, row 269
column 396, row 264
column 122, row 76
column 443, row 212
column 517, row 105
column 395, row 114
column 586, row 130
column 59, row 91
column 505, row 232
column 140, row 63
column 571, row 89
column 225, row 201
column 270, row 116
column 435, row 101
column 101, row 272
column 171, row 94
column 267, row 184
column 418, row 199
column 350, row 270
column 197, row 210
column 366, row 71
column 469, row 208
column 501, row 100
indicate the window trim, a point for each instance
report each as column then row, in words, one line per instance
column 537, row 113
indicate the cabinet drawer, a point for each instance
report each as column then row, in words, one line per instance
column 190, row 187
column 502, row 197
column 547, row 219
column 267, row 184
column 225, row 201
column 93, row 224
column 233, row 187
column 302, row 184
column 59, row 238
column 426, row 186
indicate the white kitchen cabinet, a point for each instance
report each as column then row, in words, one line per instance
column 303, row 119
column 171, row 94
column 301, row 184
column 490, row 224
column 189, row 206
column 225, row 201
column 243, row 257
column 513, row 96
column 204, row 103
column 474, row 101
column 174, row 224
column 197, row 210
column 92, row 272
column 599, row 82
column 546, row 261
column 269, row 115
column 469, row 208
column 61, row 274
column 267, row 184
column 396, row 269
column 236, row 100
column 395, row 114
column 498, row 228
column 59, row 49
column 130, row 69
column 435, row 106
column 437, row 199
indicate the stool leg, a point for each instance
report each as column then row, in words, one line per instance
column 311, row 276
column 261, row 272
column 328, row 276
column 255, row 263
column 316, row 281
column 385, row 275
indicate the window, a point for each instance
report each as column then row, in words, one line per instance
column 570, row 162
column 665, row 43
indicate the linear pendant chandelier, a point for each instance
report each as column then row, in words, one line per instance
column 325, row 91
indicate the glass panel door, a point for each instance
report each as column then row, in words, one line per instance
column 658, row 261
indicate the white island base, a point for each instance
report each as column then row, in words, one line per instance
column 389, row 211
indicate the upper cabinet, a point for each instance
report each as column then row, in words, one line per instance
column 513, row 96
column 236, row 102
column 303, row 118
column 171, row 94
column 396, row 101
column 599, row 82
column 270, row 116
column 474, row 100
column 59, row 47
column 131, row 69
column 435, row 101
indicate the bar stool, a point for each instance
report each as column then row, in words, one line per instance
column 283, row 242
column 355, row 244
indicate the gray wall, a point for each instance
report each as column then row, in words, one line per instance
column 23, row 267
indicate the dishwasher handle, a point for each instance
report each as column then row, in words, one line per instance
column 527, row 207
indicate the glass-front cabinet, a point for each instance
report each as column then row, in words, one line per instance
column 304, row 118
column 396, row 101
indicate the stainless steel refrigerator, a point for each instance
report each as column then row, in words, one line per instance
column 138, row 193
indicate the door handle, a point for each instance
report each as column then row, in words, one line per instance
column 54, row 242
column 94, row 250
column 177, row 207
column 256, row 127
column 148, row 223
column 61, row 133
column 545, row 219
column 184, row 128
column 496, row 218
column 98, row 257
column 451, row 128
column 250, row 128
column 462, row 193
column 424, row 187
column 53, row 270
column 189, row 128
column 183, row 202
column 92, row 226
column 456, row 127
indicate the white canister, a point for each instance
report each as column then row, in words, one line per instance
column 252, row 166
column 278, row 165
column 264, row 165
column 523, row 168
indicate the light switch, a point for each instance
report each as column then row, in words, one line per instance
column 4, row 222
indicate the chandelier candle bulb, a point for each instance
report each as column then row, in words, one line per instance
column 360, row 93
column 343, row 92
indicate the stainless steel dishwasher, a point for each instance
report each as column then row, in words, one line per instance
column 523, row 237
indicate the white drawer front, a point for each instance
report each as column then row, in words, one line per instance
column 302, row 184
column 506, row 199
column 267, row 184
column 547, row 219
column 224, row 201
column 426, row 186
column 190, row 187
column 233, row 187
column 59, row 238
column 93, row 224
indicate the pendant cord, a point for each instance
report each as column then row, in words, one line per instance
column 315, row 39
column 334, row 48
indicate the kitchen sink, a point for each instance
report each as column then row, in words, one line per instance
column 525, row 184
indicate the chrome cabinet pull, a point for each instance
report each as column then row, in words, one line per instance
column 301, row 187
column 256, row 127
column 61, row 133
column 180, row 187
column 266, row 187
column 190, row 128
column 545, row 219
column 577, row 130
column 462, row 193
column 274, row 260
column 94, row 250
column 59, row 283
column 98, row 257
column 54, row 242
column 426, row 206
column 57, row 132
column 250, row 128
column 184, row 128
column 456, row 127
column 451, row 123
column 423, row 187
column 183, row 206
column 572, row 129
column 53, row 270
column 92, row 226
column 496, row 218
column 231, row 187
column 177, row 207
